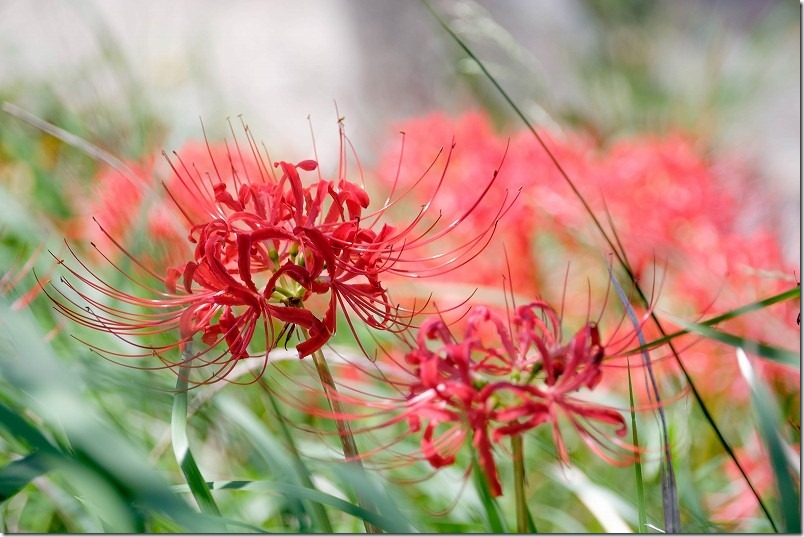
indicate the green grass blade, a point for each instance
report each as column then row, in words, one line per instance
column 531, row 523
column 15, row 475
column 769, row 417
column 642, row 520
column 181, row 444
column 603, row 503
column 640, row 485
column 381, row 501
column 776, row 354
column 790, row 294
column 302, row 493
column 300, row 468
column 277, row 459
column 68, row 138
column 98, row 463
column 19, row 427
column 672, row 514
column 493, row 514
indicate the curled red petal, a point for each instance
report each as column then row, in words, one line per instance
column 307, row 165
column 429, row 450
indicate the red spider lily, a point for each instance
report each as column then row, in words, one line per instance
column 265, row 246
column 502, row 378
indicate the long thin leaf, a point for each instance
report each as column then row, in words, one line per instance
column 769, row 417
column 276, row 458
column 672, row 515
column 604, row 504
column 790, row 294
column 493, row 514
column 532, row 524
column 776, row 354
column 640, row 485
column 71, row 139
column 101, row 467
column 302, row 493
column 15, row 475
column 300, row 468
column 96, row 494
column 181, row 444
column 381, row 501
column 21, row 429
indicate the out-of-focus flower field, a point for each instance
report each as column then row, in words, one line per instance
column 461, row 267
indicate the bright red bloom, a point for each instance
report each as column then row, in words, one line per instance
column 487, row 390
column 265, row 246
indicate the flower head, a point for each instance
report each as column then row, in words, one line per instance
column 273, row 242
column 501, row 377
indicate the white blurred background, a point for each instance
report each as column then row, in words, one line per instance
column 730, row 69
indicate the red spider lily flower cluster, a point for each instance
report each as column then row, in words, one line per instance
column 670, row 202
column 265, row 247
column 667, row 199
column 487, row 388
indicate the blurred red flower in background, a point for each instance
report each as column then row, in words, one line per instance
column 671, row 205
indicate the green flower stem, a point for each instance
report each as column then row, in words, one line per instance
column 519, row 485
column 350, row 451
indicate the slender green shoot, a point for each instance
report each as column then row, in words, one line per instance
column 790, row 294
column 493, row 514
column 776, row 354
column 672, row 515
column 181, row 444
column 640, row 485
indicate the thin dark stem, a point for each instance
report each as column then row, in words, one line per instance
column 350, row 451
column 344, row 430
